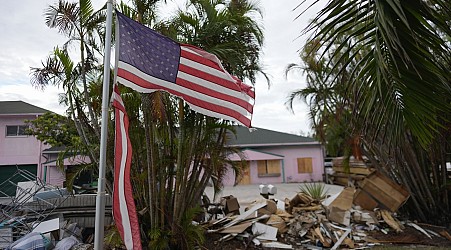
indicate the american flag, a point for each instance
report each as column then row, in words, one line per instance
column 124, row 210
column 149, row 61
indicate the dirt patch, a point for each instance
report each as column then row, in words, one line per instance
column 410, row 236
column 212, row 241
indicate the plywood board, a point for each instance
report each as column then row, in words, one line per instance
column 362, row 199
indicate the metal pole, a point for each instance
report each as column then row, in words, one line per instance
column 100, row 199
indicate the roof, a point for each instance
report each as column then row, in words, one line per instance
column 19, row 107
column 265, row 137
column 254, row 155
column 54, row 149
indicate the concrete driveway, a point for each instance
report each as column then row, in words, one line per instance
column 246, row 194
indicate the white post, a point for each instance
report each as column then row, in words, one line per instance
column 100, row 199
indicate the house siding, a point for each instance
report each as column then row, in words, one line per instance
column 17, row 150
column 55, row 177
column 20, row 150
column 289, row 167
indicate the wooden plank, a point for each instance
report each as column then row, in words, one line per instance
column 343, row 181
column 261, row 166
column 356, row 177
column 353, row 170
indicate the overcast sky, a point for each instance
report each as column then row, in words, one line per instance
column 26, row 41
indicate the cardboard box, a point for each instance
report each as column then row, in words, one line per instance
column 230, row 204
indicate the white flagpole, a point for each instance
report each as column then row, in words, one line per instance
column 100, row 199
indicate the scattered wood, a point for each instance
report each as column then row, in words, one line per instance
column 310, row 208
column 386, row 215
column 419, row 229
column 339, row 221
column 445, row 234
column 277, row 245
column 343, row 236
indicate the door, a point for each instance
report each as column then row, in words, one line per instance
column 246, row 174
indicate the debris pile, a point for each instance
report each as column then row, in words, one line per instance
column 348, row 172
column 340, row 221
column 40, row 216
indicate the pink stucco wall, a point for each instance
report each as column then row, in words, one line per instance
column 54, row 176
column 19, row 150
column 289, row 165
column 22, row 150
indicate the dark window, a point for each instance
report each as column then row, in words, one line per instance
column 16, row 130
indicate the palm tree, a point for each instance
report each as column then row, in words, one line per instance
column 80, row 23
column 228, row 29
column 398, row 53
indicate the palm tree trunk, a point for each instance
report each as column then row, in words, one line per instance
column 95, row 122
column 179, row 184
column 150, row 162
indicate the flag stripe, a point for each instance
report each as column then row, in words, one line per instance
column 195, row 61
column 148, row 84
column 232, row 100
column 210, row 77
column 121, row 184
column 197, row 87
column 207, row 91
column 145, row 81
column 124, row 210
column 192, row 55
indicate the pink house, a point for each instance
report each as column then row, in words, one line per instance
column 21, row 151
column 275, row 157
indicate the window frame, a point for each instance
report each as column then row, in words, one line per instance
column 19, row 129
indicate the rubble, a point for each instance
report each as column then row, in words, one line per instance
column 41, row 216
column 356, row 217
column 337, row 222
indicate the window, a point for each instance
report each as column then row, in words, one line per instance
column 305, row 165
column 16, row 130
column 268, row 168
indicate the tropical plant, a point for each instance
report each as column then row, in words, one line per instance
column 316, row 190
column 397, row 56
column 53, row 129
column 228, row 29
